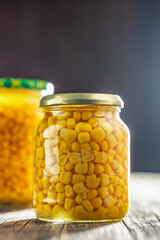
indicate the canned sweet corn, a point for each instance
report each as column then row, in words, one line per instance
column 81, row 159
column 19, row 114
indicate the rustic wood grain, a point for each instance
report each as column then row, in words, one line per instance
column 142, row 221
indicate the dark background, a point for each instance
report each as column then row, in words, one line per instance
column 92, row 46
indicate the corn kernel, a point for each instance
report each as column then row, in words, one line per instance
column 110, row 155
column 51, row 198
column 85, row 127
column 58, row 211
column 65, row 177
column 68, row 134
column 100, row 157
column 64, row 146
column 124, row 152
column 40, row 172
column 83, row 137
column 80, row 212
column 90, row 168
column 84, row 195
column 108, row 115
column 69, row 191
column 124, row 197
column 79, row 188
column 99, row 113
column 112, row 141
column 118, row 158
column 98, row 168
column 92, row 194
column 96, row 202
column 124, row 208
column 85, row 148
column 97, row 134
column 104, row 180
column 81, row 168
column 75, row 147
column 56, row 140
column 64, row 115
column 94, row 146
column 61, row 198
column 88, row 157
column 49, row 153
column 120, row 171
column 92, row 181
column 57, row 151
column 114, row 164
column 119, row 203
column 104, row 146
column 54, row 179
column 40, row 153
column 71, row 122
column 49, row 161
column 48, row 143
column 62, row 159
column 119, row 147
column 54, row 170
column 75, row 158
column 50, row 132
column 113, row 212
column 114, row 180
column 59, row 187
column 41, row 197
column 45, row 182
column 107, row 168
column 79, row 199
column 47, row 209
column 86, row 115
column 78, row 127
column 77, row 178
column 88, row 206
column 61, row 124
column 68, row 166
column 118, row 191
column 77, row 116
column 94, row 122
column 43, row 126
column 109, row 201
column 103, row 192
column 69, row 203
column 118, row 134
column 51, row 121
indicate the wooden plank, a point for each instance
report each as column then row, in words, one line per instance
column 142, row 222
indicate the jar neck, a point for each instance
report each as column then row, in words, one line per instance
column 100, row 110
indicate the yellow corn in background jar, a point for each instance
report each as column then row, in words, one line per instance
column 81, row 159
column 19, row 114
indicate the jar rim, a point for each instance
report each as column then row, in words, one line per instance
column 82, row 99
column 26, row 83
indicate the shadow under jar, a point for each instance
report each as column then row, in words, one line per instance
column 81, row 159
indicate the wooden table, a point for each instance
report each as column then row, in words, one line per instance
column 142, row 222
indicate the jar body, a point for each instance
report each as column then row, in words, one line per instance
column 81, row 159
column 19, row 114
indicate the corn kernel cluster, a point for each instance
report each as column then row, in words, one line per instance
column 18, row 118
column 81, row 166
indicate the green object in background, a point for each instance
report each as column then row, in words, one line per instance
column 23, row 83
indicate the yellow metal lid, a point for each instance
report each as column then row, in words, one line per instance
column 82, row 99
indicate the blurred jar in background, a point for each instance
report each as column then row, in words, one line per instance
column 19, row 114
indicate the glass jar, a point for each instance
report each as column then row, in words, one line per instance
column 81, row 159
column 19, row 114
